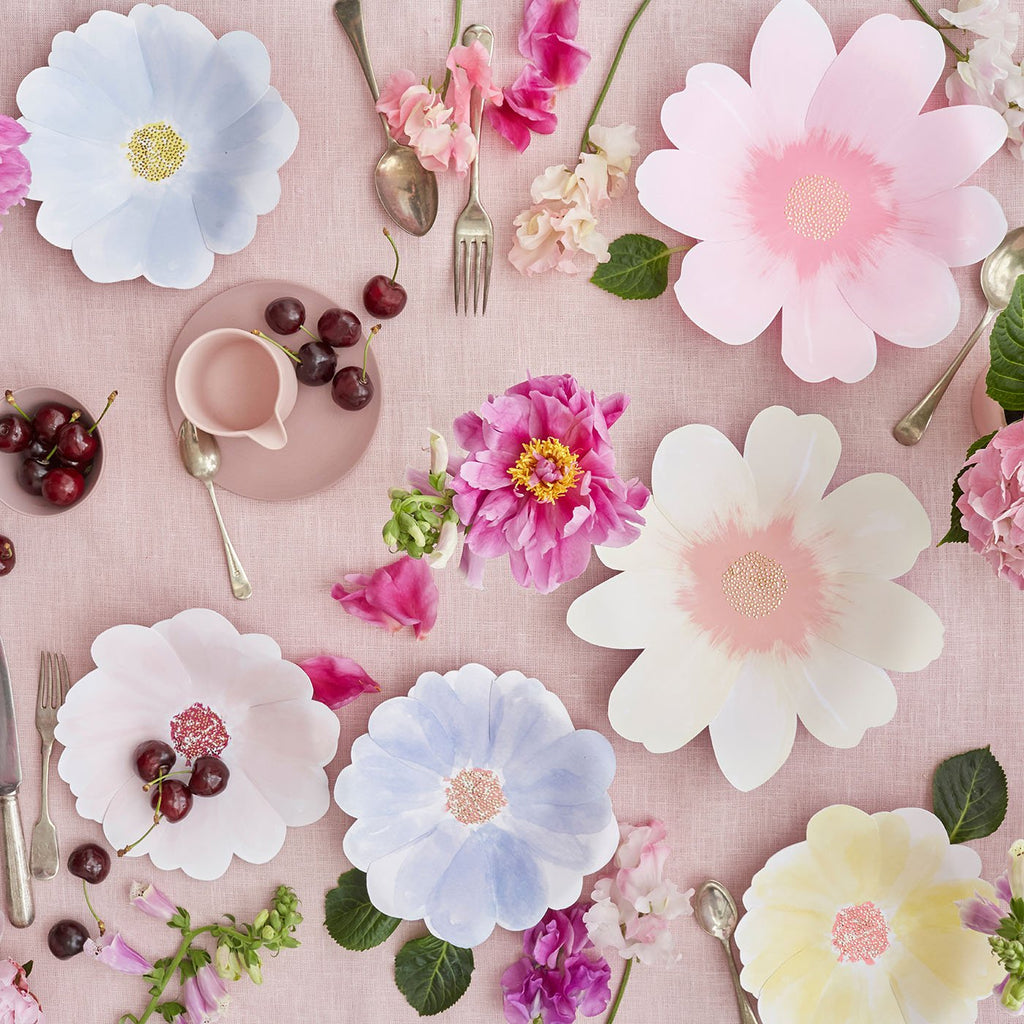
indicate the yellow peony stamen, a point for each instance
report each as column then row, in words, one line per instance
column 156, row 151
column 559, row 474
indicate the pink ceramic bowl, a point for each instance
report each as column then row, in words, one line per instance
column 11, row 494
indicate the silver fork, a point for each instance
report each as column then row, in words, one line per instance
column 473, row 230
column 54, row 683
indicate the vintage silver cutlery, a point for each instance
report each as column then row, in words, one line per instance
column 405, row 188
column 999, row 273
column 200, row 454
column 54, row 683
column 717, row 915
column 20, row 910
column 474, row 233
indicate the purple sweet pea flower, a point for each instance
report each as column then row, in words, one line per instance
column 337, row 681
column 151, row 901
column 113, row 951
column 587, row 982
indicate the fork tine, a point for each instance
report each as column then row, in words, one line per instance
column 476, row 273
column 458, row 262
column 44, row 682
column 465, row 280
column 489, row 242
column 65, row 678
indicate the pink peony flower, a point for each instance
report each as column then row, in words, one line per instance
column 151, row 901
column 337, row 681
column 15, row 173
column 539, row 484
column 992, row 503
column 113, row 951
column 400, row 594
column 527, row 108
column 17, row 1004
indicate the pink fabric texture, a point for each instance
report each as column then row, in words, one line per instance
column 145, row 546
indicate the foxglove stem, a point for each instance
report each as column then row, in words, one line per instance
column 585, row 144
column 618, row 995
column 187, row 939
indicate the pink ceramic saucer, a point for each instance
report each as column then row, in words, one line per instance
column 324, row 441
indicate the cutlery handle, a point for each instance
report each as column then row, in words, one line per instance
column 746, row 1013
column 483, row 35
column 240, row 585
column 19, row 891
column 44, row 858
column 350, row 14
column 911, row 428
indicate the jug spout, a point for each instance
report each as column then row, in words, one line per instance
column 271, row 434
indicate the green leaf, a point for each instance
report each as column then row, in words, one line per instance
column 1005, row 380
column 957, row 534
column 351, row 919
column 170, row 1010
column 27, row 967
column 969, row 795
column 638, row 268
column 433, row 974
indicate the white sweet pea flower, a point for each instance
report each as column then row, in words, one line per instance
column 438, row 453
column 447, row 542
column 618, row 146
column 982, row 77
column 1016, row 867
column 992, row 19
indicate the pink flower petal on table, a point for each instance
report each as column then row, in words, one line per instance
column 401, row 594
column 961, row 226
column 540, row 17
column 527, row 108
column 337, row 681
column 879, row 81
column 905, row 294
column 560, row 60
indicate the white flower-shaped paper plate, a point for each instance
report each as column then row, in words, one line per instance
column 194, row 682
column 154, row 145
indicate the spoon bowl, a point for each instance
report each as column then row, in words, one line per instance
column 1001, row 269
column 716, row 910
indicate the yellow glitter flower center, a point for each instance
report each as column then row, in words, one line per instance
column 755, row 585
column 474, row 796
column 156, row 151
column 547, row 469
column 861, row 933
column 817, row 207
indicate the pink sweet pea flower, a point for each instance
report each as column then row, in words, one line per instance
column 113, row 951
column 471, row 68
column 17, row 1004
column 151, row 901
column 528, row 107
column 401, row 594
column 548, row 17
column 561, row 61
column 337, row 681
column 15, row 173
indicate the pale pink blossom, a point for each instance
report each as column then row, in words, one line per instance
column 991, row 19
column 538, row 245
column 470, row 67
column 337, row 681
column 17, row 1003
column 15, row 173
column 113, row 951
column 401, row 594
column 618, row 147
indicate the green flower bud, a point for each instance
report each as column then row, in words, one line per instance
column 261, row 920
column 226, row 963
column 267, row 933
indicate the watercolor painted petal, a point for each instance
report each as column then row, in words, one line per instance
column 790, row 990
column 672, row 692
column 659, row 546
column 226, row 219
column 70, row 106
column 462, row 700
column 774, row 934
column 847, row 998
column 371, row 838
column 961, row 226
column 236, row 77
column 114, row 247
column 698, row 477
column 783, row 85
column 883, row 623
column 941, row 149
column 845, row 846
column 873, row 524
column 715, row 114
column 839, row 697
column 630, row 611
column 823, row 337
column 462, row 908
column 577, row 768
column 408, row 730
column 733, row 290
column 908, row 296
column 879, row 81
column 376, row 783
column 753, row 733
column 525, row 717
column 934, row 979
column 520, row 890
column 176, row 255
column 791, row 457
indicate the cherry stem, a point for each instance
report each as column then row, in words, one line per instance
column 284, row 348
column 366, row 347
column 156, row 819
column 96, row 917
column 303, row 327
column 9, row 395
column 110, row 402
column 6, row 551
column 164, row 775
column 387, row 235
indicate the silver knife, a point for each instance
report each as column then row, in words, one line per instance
column 19, row 892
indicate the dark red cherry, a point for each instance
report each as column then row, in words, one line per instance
column 31, row 474
column 340, row 328
column 63, row 486
column 317, row 363
column 153, row 758
column 173, row 799
column 383, row 297
column 209, row 776
column 66, row 939
column 76, row 444
column 285, row 315
column 351, row 389
column 48, row 420
column 7, row 556
column 90, row 862
column 15, row 434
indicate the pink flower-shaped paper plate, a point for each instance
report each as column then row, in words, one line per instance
column 821, row 190
column 194, row 682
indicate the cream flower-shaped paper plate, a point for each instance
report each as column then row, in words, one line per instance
column 154, row 145
column 194, row 682
column 756, row 600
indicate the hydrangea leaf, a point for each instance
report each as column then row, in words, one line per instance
column 638, row 268
column 957, row 534
column 433, row 974
column 969, row 795
column 351, row 919
column 1005, row 380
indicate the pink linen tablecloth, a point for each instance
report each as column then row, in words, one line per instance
column 145, row 547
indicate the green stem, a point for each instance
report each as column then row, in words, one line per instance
column 106, row 409
column 618, row 995
column 88, row 902
column 186, row 940
column 284, row 348
column 585, row 144
column 366, row 348
column 9, row 396
column 387, row 235
column 451, row 46
column 675, row 249
column 928, row 20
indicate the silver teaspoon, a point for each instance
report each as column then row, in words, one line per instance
column 406, row 190
column 999, row 273
column 200, row 454
column 717, row 915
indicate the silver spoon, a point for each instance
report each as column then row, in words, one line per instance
column 717, row 915
column 999, row 273
column 406, row 190
column 201, row 455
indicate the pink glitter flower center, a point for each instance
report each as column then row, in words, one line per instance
column 860, row 932
column 817, row 206
column 474, row 796
column 198, row 731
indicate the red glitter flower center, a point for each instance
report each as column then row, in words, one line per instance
column 198, row 731
column 860, row 932
column 474, row 796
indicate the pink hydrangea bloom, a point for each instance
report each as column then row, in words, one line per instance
column 401, row 594
column 539, row 484
column 17, row 1004
column 992, row 505
column 633, row 907
column 15, row 173
column 337, row 681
